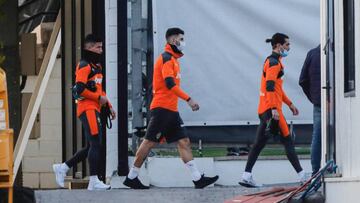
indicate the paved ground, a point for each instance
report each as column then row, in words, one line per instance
column 154, row 195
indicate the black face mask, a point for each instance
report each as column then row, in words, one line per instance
column 175, row 49
column 91, row 57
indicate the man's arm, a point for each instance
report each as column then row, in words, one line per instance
column 80, row 82
column 304, row 80
column 285, row 98
column 108, row 102
column 170, row 84
column 288, row 102
column 112, row 111
column 168, row 75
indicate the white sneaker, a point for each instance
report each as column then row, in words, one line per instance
column 302, row 177
column 248, row 181
column 98, row 185
column 59, row 174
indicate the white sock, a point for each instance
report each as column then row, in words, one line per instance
column 134, row 172
column 94, row 178
column 301, row 174
column 246, row 175
column 64, row 167
column 195, row 174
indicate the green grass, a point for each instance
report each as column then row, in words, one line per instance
column 281, row 151
column 220, row 152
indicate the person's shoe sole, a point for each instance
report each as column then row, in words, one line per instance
column 248, row 185
column 98, row 189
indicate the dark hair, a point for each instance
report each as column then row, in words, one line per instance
column 91, row 38
column 277, row 38
column 173, row 31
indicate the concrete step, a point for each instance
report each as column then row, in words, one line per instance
column 171, row 171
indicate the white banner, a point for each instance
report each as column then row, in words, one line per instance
column 225, row 50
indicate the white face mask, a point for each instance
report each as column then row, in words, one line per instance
column 182, row 45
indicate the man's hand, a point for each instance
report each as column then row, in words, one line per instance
column 103, row 100
column 294, row 110
column 194, row 105
column 275, row 114
column 113, row 114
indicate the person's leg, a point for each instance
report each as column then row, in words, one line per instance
column 153, row 134
column 83, row 153
column 286, row 140
column 290, row 153
column 187, row 157
column 94, row 155
column 132, row 180
column 260, row 142
column 60, row 170
column 94, row 161
column 184, row 147
column 93, row 133
column 174, row 132
column 316, row 141
column 140, row 157
column 293, row 158
column 200, row 181
column 78, row 157
column 288, row 143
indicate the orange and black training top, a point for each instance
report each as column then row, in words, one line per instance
column 272, row 94
column 166, row 80
column 89, row 74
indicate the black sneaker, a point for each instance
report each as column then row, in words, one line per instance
column 134, row 183
column 205, row 181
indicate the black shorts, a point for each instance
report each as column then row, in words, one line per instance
column 165, row 124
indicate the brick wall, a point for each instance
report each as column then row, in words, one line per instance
column 46, row 150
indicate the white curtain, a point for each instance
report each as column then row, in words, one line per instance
column 225, row 51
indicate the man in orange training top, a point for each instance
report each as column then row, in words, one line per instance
column 272, row 120
column 90, row 96
column 165, row 123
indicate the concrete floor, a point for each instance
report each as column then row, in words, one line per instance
column 157, row 195
column 154, row 195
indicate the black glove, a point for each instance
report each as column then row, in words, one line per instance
column 106, row 116
column 91, row 85
column 272, row 128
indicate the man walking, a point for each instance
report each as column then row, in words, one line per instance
column 90, row 98
column 165, row 123
column 272, row 120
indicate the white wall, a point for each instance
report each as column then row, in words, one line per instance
column 111, row 81
column 342, row 190
column 347, row 108
column 345, row 188
column 323, row 40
